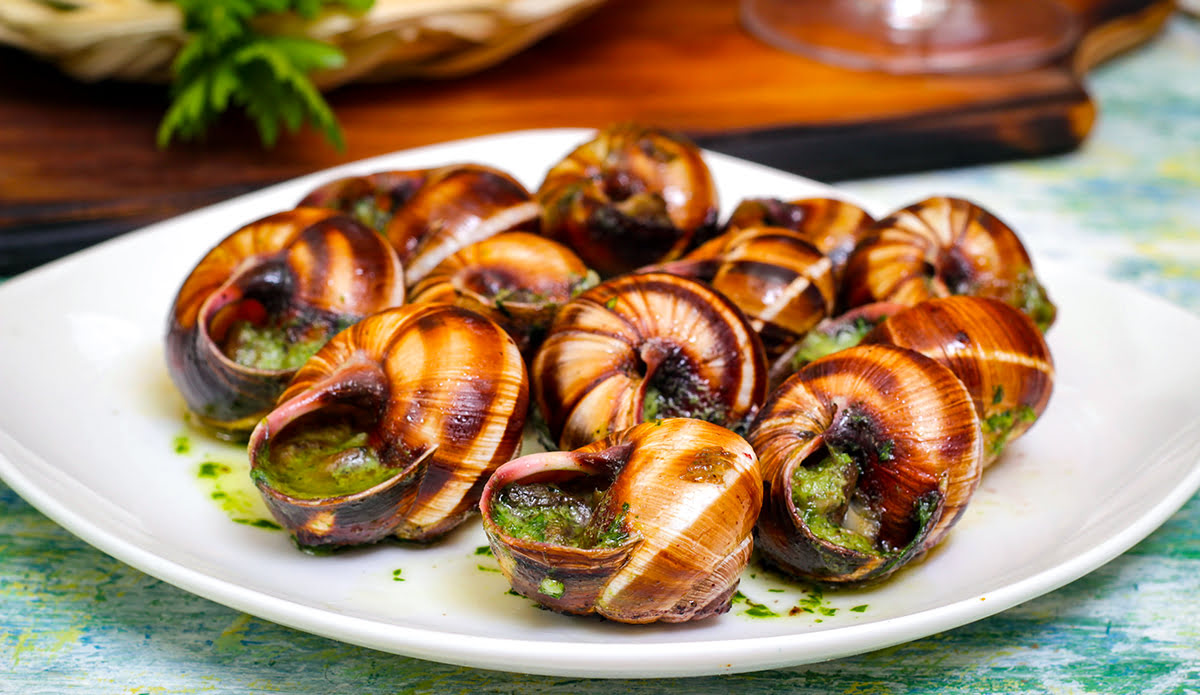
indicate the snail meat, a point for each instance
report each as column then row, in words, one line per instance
column 993, row 348
column 868, row 456
column 263, row 300
column 392, row 428
column 629, row 197
column 943, row 246
column 646, row 346
column 649, row 524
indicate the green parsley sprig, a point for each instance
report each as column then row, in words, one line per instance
column 226, row 62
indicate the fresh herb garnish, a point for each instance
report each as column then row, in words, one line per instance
column 226, row 61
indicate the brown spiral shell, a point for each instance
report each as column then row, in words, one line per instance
column 372, row 199
column 665, row 535
column 833, row 226
column 885, row 446
column 629, row 197
column 781, row 282
column 517, row 279
column 312, row 271
column 943, row 246
column 392, row 428
column 993, row 348
column 456, row 206
column 640, row 347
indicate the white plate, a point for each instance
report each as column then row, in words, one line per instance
column 89, row 422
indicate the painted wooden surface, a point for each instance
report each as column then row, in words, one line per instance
column 1127, row 204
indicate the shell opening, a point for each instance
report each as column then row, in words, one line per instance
column 828, row 501
column 818, row 343
column 330, row 452
column 673, row 387
column 570, row 510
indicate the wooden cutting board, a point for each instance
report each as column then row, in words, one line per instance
column 78, row 162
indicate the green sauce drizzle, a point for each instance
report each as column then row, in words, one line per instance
column 817, row 344
column 820, row 493
column 546, row 513
column 327, row 461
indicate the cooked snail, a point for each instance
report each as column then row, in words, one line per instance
column 372, row 199
column 649, row 524
column 456, row 206
column 781, row 282
column 392, row 428
column 993, row 348
column 263, row 300
column 629, row 197
column 517, row 279
column 868, row 456
column 944, row 246
column 641, row 347
column 833, row 226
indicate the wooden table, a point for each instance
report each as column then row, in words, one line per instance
column 78, row 162
column 1125, row 204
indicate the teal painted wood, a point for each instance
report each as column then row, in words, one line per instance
column 1128, row 203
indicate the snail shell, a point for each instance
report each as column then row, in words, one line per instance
column 869, row 456
column 456, row 206
column 517, row 279
column 649, row 524
column 392, row 428
column 833, row 226
column 993, row 348
column 944, row 246
column 641, row 347
column 265, row 298
column 372, row 199
column 781, row 282
column 630, row 197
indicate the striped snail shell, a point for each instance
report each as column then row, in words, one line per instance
column 517, row 279
column 456, row 206
column 629, row 197
column 649, row 524
column 641, row 347
column 263, row 300
column 833, row 226
column 392, row 428
column 781, row 282
column 372, row 199
column 943, row 246
column 993, row 348
column 868, row 456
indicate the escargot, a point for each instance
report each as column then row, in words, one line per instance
column 868, row 456
column 629, row 197
column 372, row 199
column 392, row 428
column 649, row 524
column 263, row 300
column 993, row 348
column 833, row 226
column 781, row 282
column 943, row 246
column 641, row 347
column 517, row 279
column 457, row 205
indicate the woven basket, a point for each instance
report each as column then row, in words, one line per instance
column 136, row 40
